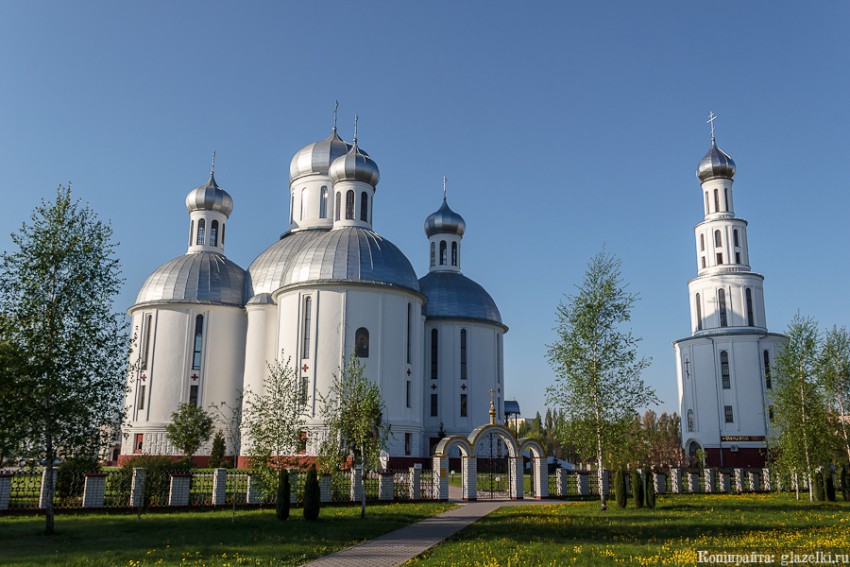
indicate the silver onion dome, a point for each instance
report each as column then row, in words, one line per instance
column 209, row 197
column 201, row 277
column 444, row 221
column 715, row 163
column 454, row 296
column 351, row 255
column 265, row 274
column 318, row 156
column 355, row 166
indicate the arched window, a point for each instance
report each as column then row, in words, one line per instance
column 349, row 205
column 364, row 207
column 191, row 231
column 724, row 369
column 454, row 253
column 338, row 206
column 702, row 242
column 433, row 254
column 301, row 212
column 202, row 227
column 361, row 343
column 435, row 358
column 305, row 331
column 291, row 207
column 443, row 253
column 707, row 210
column 750, row 318
column 735, row 237
column 323, row 203
column 463, row 354
column 718, row 240
column 767, row 381
column 726, row 200
column 699, row 313
column 716, row 201
column 198, row 343
column 214, row 233
column 690, row 420
column 223, row 226
column 721, row 303
column 703, row 261
column 409, row 331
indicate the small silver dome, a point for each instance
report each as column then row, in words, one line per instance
column 318, row 156
column 209, row 197
column 444, row 221
column 351, row 255
column 355, row 166
column 715, row 163
column 201, row 277
column 261, row 299
column 265, row 274
column 454, row 296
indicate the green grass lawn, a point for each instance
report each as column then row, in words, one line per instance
column 672, row 534
column 199, row 538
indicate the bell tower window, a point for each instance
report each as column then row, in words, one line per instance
column 364, row 207
column 214, row 233
column 301, row 212
column 721, row 304
column 191, row 231
column 699, row 313
column 716, row 201
column 338, row 207
column 726, row 200
column 349, row 205
column 454, row 253
column 202, row 226
column 433, row 254
column 702, row 242
column 750, row 318
column 718, row 240
column 323, row 203
column 443, row 249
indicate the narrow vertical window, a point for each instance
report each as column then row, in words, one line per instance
column 434, row 405
column 433, row 254
column 198, row 343
column 463, row 408
column 144, row 350
column 721, row 305
column 407, row 394
column 454, row 253
column 751, row 320
column 707, row 210
column 142, row 397
column 361, row 343
column 718, row 240
column 435, row 358
column 443, row 253
column 703, row 261
column 735, row 237
column 407, row 442
column 702, row 242
column 699, row 313
column 214, row 233
column 338, row 207
column 223, row 226
column 308, row 316
column 193, row 396
column 724, row 370
column 191, row 231
column 463, row 354
column 301, row 205
column 305, row 384
column 323, row 203
column 202, row 226
column 364, row 207
column 767, row 381
column 690, row 421
column 291, row 208
column 349, row 205
column 737, row 257
column 409, row 329
column 716, row 202
column 726, row 200
column 137, row 443
column 727, row 413
column 719, row 258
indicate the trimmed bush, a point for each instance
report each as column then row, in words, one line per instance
column 649, row 489
column 312, row 497
column 820, row 494
column 157, row 477
column 71, row 476
column 620, row 488
column 284, row 491
column 830, row 486
column 217, row 451
column 637, row 488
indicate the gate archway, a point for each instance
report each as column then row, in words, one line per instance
column 498, row 463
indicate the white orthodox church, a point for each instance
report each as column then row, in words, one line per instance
column 331, row 286
column 723, row 368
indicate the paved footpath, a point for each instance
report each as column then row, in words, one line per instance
column 398, row 547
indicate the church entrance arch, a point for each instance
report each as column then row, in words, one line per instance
column 442, row 452
column 496, row 455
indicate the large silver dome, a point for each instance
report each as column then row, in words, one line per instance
column 715, row 163
column 209, row 197
column 351, row 255
column 454, row 296
column 444, row 221
column 355, row 166
column 201, row 277
column 318, row 156
column 265, row 274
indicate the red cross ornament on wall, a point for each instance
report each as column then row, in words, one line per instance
column 305, row 368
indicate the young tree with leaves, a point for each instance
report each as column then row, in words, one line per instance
column 66, row 349
column 353, row 414
column 598, row 383
column 834, row 371
column 190, row 427
column 274, row 419
column 801, row 420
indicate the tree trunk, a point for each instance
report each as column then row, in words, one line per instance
column 48, row 504
column 363, row 482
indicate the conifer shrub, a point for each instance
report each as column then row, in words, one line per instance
column 217, row 451
column 649, row 489
column 620, row 487
column 312, row 498
column 637, row 488
column 820, row 494
column 284, row 492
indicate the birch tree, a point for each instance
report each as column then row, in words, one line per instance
column 834, row 370
column 598, row 381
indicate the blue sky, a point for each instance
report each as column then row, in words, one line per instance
column 562, row 127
